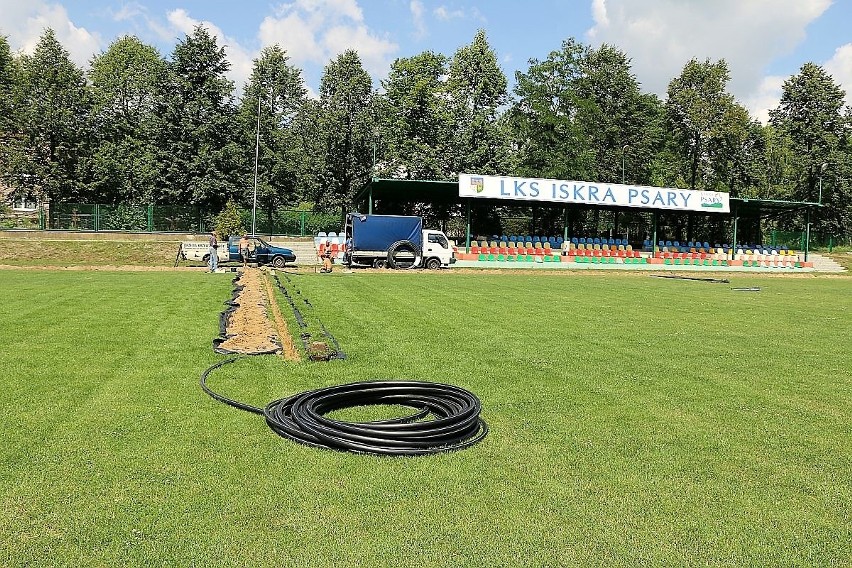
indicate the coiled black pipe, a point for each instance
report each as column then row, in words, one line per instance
column 446, row 417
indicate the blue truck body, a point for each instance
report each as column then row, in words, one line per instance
column 379, row 232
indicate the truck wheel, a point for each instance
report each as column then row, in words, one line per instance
column 404, row 254
column 206, row 259
column 433, row 263
column 379, row 263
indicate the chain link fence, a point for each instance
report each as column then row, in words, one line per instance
column 165, row 219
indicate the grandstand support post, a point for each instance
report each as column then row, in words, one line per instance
column 654, row 238
column 564, row 223
column 467, row 227
column 807, row 232
column 734, row 235
column 615, row 222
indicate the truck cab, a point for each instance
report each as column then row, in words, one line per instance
column 437, row 249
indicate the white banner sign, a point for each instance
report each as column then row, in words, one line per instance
column 592, row 193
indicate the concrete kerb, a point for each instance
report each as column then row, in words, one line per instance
column 628, row 267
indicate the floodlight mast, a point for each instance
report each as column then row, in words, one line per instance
column 256, row 159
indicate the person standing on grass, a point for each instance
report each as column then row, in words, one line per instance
column 244, row 250
column 213, row 263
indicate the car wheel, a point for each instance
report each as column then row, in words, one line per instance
column 278, row 262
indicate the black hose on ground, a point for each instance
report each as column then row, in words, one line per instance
column 446, row 417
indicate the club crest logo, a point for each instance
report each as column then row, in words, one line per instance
column 477, row 184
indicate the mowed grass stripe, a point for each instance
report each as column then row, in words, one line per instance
column 631, row 424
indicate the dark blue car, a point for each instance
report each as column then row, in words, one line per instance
column 261, row 252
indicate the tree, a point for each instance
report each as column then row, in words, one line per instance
column 9, row 132
column 414, row 124
column 697, row 102
column 345, row 106
column 273, row 99
column 476, row 92
column 124, row 85
column 52, row 105
column 550, row 143
column 810, row 114
column 198, row 156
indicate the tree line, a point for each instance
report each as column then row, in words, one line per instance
column 140, row 128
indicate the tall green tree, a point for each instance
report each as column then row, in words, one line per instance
column 272, row 100
column 196, row 136
column 52, row 106
column 697, row 102
column 476, row 94
column 124, row 81
column 811, row 115
column 346, row 124
column 550, row 142
column 9, row 132
column 414, row 124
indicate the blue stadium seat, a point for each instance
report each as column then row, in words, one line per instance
column 575, row 240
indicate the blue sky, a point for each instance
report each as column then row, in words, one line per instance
column 764, row 41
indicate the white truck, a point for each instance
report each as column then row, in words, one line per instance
column 395, row 241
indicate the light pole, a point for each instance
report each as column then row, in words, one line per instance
column 821, row 171
column 256, row 159
column 623, row 151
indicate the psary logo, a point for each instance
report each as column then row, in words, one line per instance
column 711, row 201
column 477, row 184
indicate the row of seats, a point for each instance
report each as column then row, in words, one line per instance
column 698, row 246
column 528, row 239
column 591, row 259
column 556, row 241
column 511, row 247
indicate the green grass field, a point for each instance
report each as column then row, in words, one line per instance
column 634, row 421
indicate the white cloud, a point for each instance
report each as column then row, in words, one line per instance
column 24, row 23
column 840, row 67
column 663, row 35
column 128, row 11
column 420, row 30
column 444, row 13
column 317, row 31
column 765, row 97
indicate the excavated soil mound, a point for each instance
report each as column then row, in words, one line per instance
column 249, row 327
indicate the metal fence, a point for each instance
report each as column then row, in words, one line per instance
column 166, row 218
column 796, row 240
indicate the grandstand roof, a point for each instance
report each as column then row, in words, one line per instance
column 748, row 207
column 444, row 191
column 411, row 190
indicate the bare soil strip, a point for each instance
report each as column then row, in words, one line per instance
column 289, row 352
column 249, row 325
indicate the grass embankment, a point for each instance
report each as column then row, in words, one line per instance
column 58, row 253
column 635, row 421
